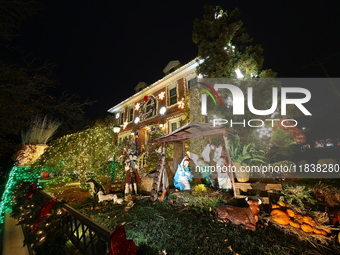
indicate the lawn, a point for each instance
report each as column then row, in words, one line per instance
column 186, row 224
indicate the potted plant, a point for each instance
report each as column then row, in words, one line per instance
column 243, row 155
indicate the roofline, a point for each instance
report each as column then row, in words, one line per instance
column 182, row 68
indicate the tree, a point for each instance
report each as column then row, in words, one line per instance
column 83, row 153
column 26, row 82
column 225, row 48
column 224, row 45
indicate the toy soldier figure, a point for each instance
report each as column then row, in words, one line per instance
column 132, row 176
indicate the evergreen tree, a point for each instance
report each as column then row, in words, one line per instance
column 224, row 45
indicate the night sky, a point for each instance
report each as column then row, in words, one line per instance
column 104, row 48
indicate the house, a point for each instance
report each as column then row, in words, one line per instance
column 161, row 103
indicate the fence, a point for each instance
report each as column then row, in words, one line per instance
column 86, row 235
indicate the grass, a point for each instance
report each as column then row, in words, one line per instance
column 193, row 229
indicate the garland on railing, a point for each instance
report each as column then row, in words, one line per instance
column 17, row 174
column 41, row 218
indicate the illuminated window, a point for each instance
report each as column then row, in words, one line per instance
column 172, row 92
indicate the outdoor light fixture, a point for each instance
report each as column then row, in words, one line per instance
column 161, row 125
column 162, row 111
column 117, row 115
column 137, row 120
column 116, row 128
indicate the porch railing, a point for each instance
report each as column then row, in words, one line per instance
column 86, row 235
column 141, row 160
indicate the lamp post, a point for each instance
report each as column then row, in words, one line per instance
column 116, row 130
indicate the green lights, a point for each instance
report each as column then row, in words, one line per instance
column 18, row 173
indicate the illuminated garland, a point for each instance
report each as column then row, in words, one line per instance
column 18, row 173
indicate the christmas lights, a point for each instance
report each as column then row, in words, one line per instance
column 17, row 173
column 137, row 106
column 161, row 95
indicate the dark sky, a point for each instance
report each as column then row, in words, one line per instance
column 104, row 48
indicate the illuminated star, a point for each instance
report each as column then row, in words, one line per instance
column 137, row 106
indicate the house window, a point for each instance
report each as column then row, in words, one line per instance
column 149, row 109
column 192, row 83
column 131, row 113
column 172, row 91
column 121, row 120
column 174, row 124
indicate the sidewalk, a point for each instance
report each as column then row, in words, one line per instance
column 13, row 237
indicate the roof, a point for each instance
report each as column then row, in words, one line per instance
column 155, row 86
column 171, row 64
column 192, row 130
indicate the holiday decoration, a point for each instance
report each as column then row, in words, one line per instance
column 161, row 95
column 95, row 186
column 293, row 220
column 224, row 180
column 204, row 169
column 45, row 174
column 239, row 215
column 29, row 153
column 81, row 153
column 160, row 180
column 40, row 219
column 125, row 124
column 280, row 217
column 181, row 103
column 109, row 197
column 44, row 211
column 183, row 175
column 132, row 176
column 147, row 107
column 16, row 175
column 119, row 245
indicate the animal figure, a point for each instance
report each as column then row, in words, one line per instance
column 95, row 186
column 109, row 197
column 117, row 200
column 246, row 216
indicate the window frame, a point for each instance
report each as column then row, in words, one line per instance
column 169, row 89
column 131, row 113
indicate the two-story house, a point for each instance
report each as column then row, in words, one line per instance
column 161, row 103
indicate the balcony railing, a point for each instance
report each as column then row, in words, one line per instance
column 86, row 235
